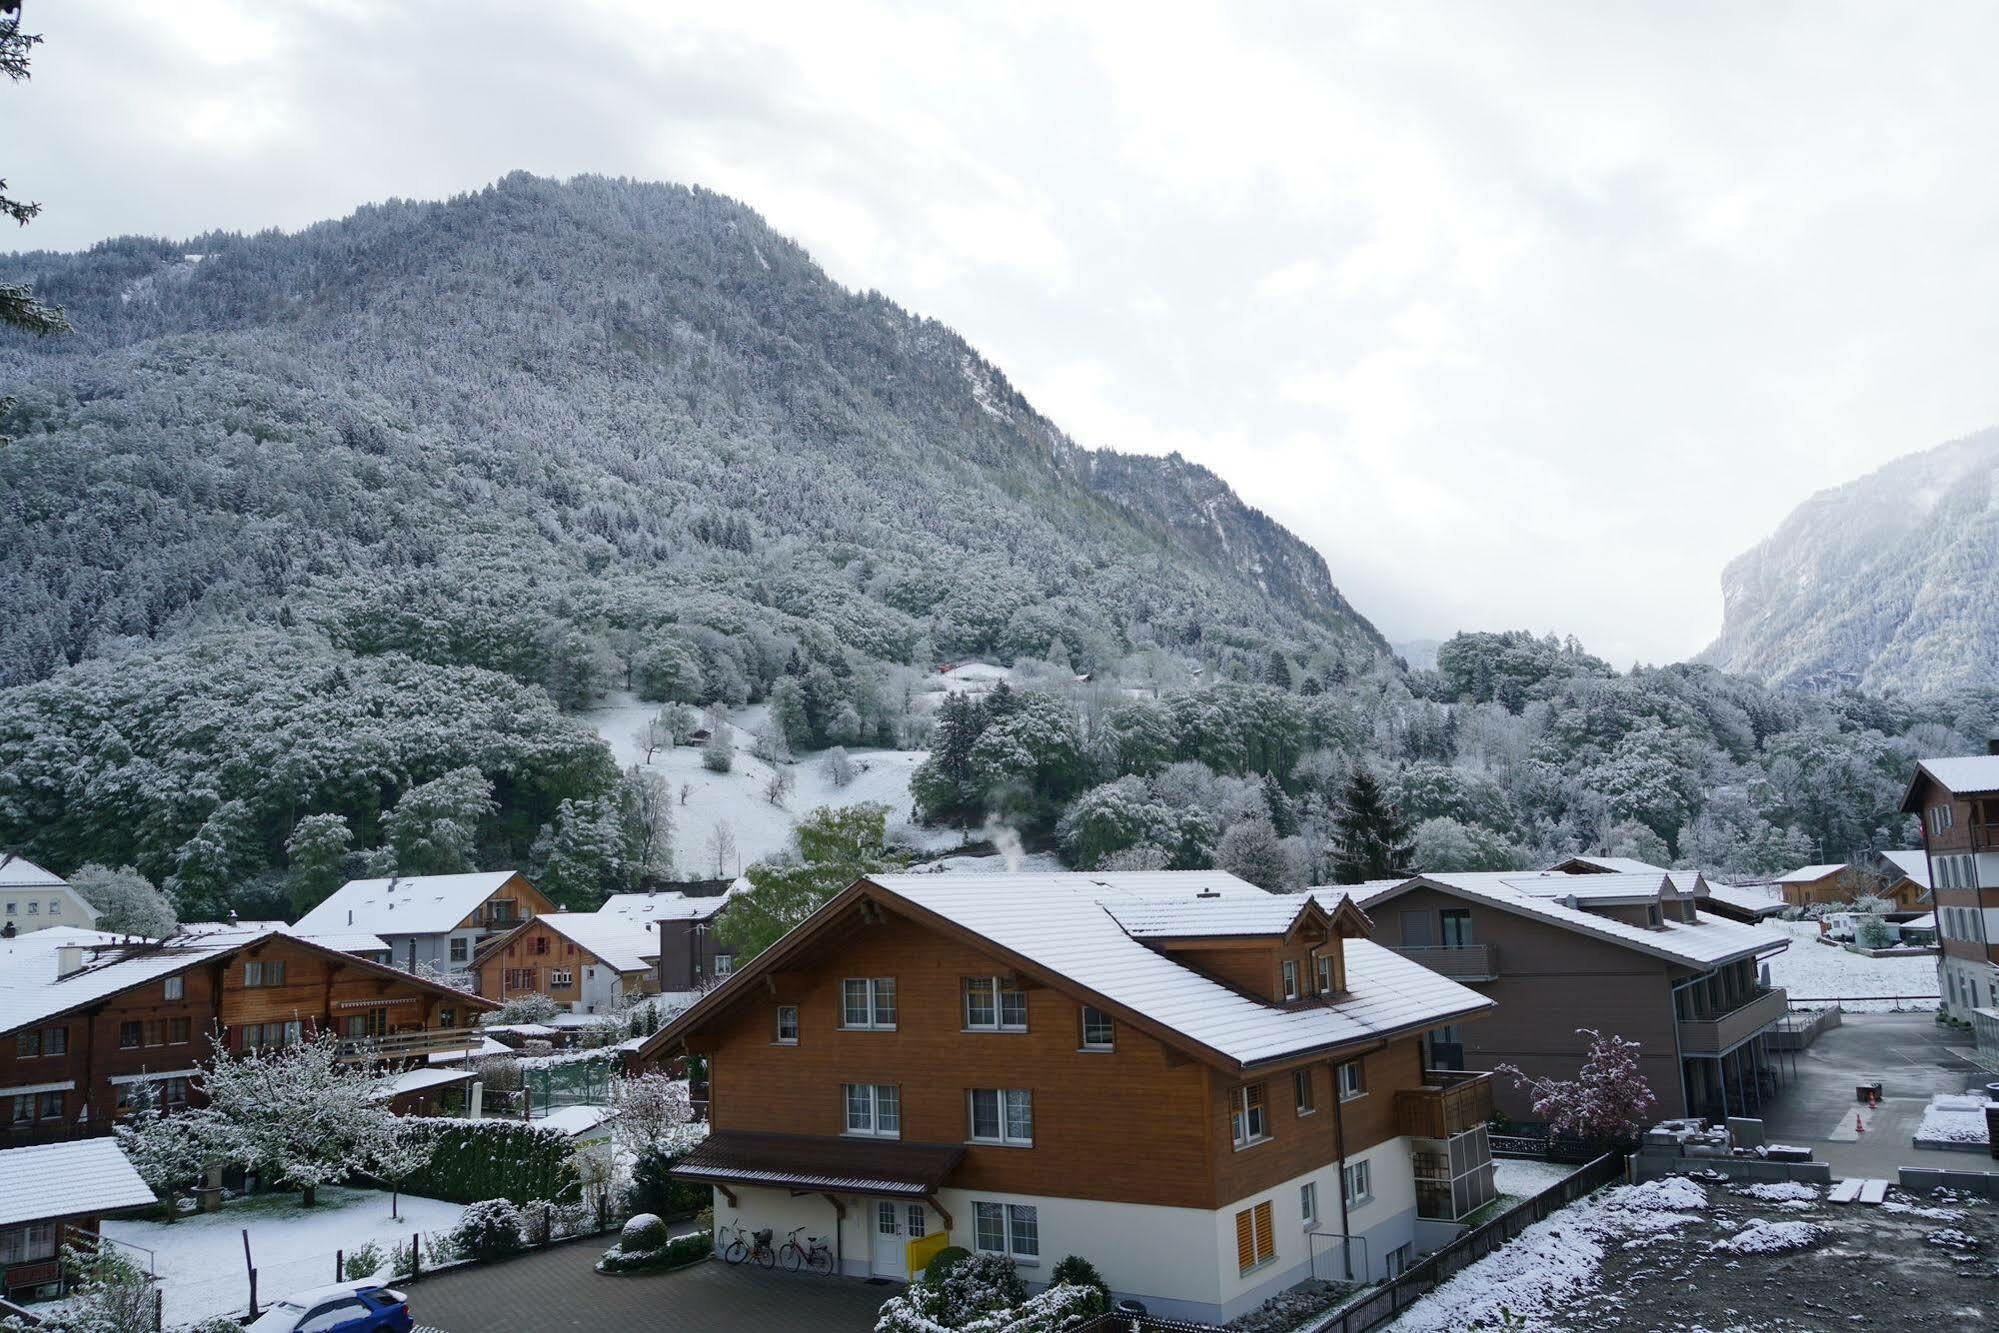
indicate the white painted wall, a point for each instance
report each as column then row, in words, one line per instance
column 37, row 908
column 781, row 1211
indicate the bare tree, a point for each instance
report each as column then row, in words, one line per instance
column 721, row 845
column 779, row 785
column 836, row 767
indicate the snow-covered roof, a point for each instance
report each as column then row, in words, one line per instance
column 670, row 905
column 1915, row 865
column 1703, row 942
column 1197, row 917
column 1927, row 921
column 1065, row 924
column 1964, row 775
column 420, row 1078
column 1809, row 874
column 340, row 941
column 67, row 1180
column 403, row 905
column 1747, row 898
column 575, row 1121
column 1617, row 865
column 618, row 942
column 17, row 872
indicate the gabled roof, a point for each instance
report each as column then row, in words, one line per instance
column 1064, row 929
column 18, row 872
column 1809, row 874
column 355, row 941
column 1750, row 898
column 403, row 904
column 1960, row 775
column 617, row 942
column 1703, row 943
column 31, row 992
column 1915, row 865
column 68, row 1180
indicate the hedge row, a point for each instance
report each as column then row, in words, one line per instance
column 472, row 1160
column 676, row 1253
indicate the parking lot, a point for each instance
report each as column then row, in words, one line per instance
column 557, row 1288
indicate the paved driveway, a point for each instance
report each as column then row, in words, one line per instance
column 1908, row 1054
column 556, row 1288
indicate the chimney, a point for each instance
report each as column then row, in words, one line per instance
column 232, row 916
column 1992, row 745
column 69, row 958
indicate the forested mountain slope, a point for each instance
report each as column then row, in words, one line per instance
column 1887, row 582
column 601, row 405
column 306, row 524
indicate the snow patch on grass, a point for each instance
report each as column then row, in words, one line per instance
column 1780, row 1191
column 1771, row 1238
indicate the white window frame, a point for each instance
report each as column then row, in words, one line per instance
column 1304, row 1097
column 1242, row 1115
column 998, row 991
column 174, row 988
column 1009, row 1216
column 780, row 1039
column 872, row 994
column 1109, row 1024
column 460, row 949
column 877, row 1097
column 1325, row 970
column 1354, row 1088
column 1357, row 1183
column 561, row 976
column 1289, row 969
column 1308, row 1203
column 725, row 964
column 1009, row 1107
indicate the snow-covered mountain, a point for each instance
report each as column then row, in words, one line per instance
column 1887, row 582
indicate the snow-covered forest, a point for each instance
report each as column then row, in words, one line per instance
column 315, row 548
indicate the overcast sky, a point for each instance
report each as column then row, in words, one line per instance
column 1525, row 315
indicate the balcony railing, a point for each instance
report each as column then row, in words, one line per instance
column 1450, row 1101
column 1723, row 1032
column 396, row 1047
column 1463, row 962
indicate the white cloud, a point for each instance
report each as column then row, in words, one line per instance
column 1526, row 315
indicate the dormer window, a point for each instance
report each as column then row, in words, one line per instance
column 1325, row 974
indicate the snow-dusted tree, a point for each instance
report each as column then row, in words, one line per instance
column 112, row 1295
column 720, row 848
column 790, row 721
column 127, row 903
column 1628, row 837
column 399, row 1149
column 770, row 744
column 1141, row 857
column 211, row 863
column 652, row 736
column 299, row 1114
column 434, row 826
column 652, row 1113
column 1608, row 1101
column 647, row 809
column 1370, row 838
column 1250, row 849
column 837, row 767
column 1444, row 844
column 718, row 755
column 172, row 1152
column 534, row 1008
column 317, row 850
column 580, row 855
column 779, row 784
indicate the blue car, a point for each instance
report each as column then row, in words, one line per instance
column 345, row 1307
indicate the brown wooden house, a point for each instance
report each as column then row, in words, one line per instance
column 85, row 1019
column 587, row 962
column 1199, row 1085
column 1957, row 800
column 54, row 1195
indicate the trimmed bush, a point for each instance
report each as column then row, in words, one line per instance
column 654, row 1190
column 472, row 1160
column 1076, row 1271
column 643, row 1234
column 942, row 1263
column 490, row 1229
column 676, row 1253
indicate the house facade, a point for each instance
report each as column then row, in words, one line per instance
column 1623, row 952
column 1957, row 800
column 584, row 961
column 32, row 898
column 55, row 1195
column 1209, row 1091
column 1815, row 886
column 1905, row 879
column 691, row 955
column 85, row 1022
column 437, row 920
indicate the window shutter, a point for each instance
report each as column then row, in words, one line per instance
column 1266, row 1244
column 1245, row 1240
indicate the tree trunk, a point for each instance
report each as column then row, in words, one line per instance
column 311, row 1195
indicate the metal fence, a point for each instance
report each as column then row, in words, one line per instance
column 1378, row 1305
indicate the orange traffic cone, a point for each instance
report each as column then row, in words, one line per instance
column 1858, row 1128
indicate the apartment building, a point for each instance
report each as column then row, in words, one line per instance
column 32, row 898
column 1957, row 800
column 1621, row 950
column 86, row 1018
column 1209, row 1091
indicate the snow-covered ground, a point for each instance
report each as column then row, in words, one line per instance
column 736, row 798
column 1524, row 1180
column 1810, row 970
column 1953, row 1118
column 199, row 1258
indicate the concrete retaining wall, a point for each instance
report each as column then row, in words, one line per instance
column 1650, row 1164
column 1932, row 1178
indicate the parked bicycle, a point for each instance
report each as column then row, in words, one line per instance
column 813, row 1254
column 749, row 1245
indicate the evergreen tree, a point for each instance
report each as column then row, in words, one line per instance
column 1371, row 840
column 580, row 855
column 18, row 306
column 318, row 852
column 435, row 825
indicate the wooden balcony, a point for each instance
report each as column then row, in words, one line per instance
column 1466, row 962
column 397, row 1047
column 1723, row 1032
column 1450, row 1101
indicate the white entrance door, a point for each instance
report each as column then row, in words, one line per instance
column 895, row 1226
